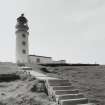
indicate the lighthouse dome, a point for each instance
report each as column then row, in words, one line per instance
column 22, row 23
column 22, row 19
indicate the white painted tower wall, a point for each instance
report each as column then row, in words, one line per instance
column 22, row 57
column 22, row 48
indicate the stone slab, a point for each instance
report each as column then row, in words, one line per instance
column 74, row 101
column 88, row 104
column 58, row 82
column 40, row 75
column 69, row 96
column 63, row 88
column 62, row 92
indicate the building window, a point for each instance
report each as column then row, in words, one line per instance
column 24, row 43
column 23, row 35
column 38, row 60
column 24, row 51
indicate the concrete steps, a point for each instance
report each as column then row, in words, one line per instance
column 63, row 93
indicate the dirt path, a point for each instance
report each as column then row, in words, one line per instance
column 40, row 75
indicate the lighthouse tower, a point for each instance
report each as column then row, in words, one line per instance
column 22, row 48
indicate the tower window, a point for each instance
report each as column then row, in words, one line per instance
column 24, row 43
column 23, row 35
column 24, row 51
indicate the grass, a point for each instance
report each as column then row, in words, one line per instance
column 22, row 92
column 6, row 68
column 89, row 79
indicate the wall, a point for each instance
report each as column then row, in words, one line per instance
column 60, row 61
column 38, row 59
column 20, row 57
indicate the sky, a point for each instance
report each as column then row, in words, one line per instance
column 73, row 30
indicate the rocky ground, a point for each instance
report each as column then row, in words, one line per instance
column 89, row 79
column 22, row 92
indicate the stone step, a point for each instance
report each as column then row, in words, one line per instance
column 88, row 104
column 62, row 92
column 61, row 83
column 73, row 96
column 69, row 96
column 74, row 101
column 63, row 88
column 51, row 90
column 58, row 82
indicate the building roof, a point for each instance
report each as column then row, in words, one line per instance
column 40, row 56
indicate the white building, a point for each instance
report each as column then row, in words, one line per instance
column 39, row 59
column 36, row 59
column 59, row 62
column 22, row 50
column 22, row 47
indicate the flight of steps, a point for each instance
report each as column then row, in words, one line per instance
column 59, row 90
column 63, row 93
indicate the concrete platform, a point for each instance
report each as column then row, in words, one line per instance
column 69, row 96
column 58, row 82
column 40, row 75
column 63, row 88
column 62, row 92
column 88, row 104
column 74, row 101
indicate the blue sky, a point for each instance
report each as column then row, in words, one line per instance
column 63, row 29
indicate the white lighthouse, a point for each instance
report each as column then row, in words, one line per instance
column 22, row 48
